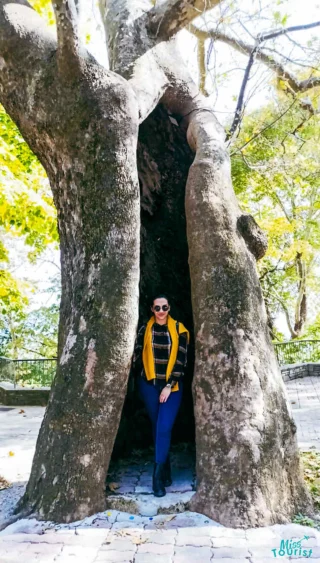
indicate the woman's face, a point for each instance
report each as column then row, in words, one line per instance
column 160, row 315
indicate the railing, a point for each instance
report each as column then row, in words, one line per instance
column 37, row 373
column 40, row 372
column 297, row 351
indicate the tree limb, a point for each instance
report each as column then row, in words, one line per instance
column 237, row 116
column 172, row 16
column 254, row 237
column 67, row 30
column 284, row 31
column 202, row 65
column 263, row 129
column 285, row 310
column 26, row 45
column 254, row 51
column 301, row 303
column 246, row 49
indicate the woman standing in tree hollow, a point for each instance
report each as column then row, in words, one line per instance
column 160, row 356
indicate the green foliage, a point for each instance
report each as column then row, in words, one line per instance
column 313, row 330
column 298, row 351
column 305, row 521
column 26, row 212
column 30, row 334
column 35, row 374
column 40, row 331
column 311, row 471
column 276, row 175
column 26, row 205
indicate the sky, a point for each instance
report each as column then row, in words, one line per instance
column 225, row 66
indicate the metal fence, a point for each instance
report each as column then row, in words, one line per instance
column 297, row 351
column 29, row 373
column 40, row 372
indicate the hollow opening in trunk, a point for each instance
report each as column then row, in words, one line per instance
column 164, row 158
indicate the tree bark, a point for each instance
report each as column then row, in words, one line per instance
column 84, row 129
column 92, row 171
column 248, row 468
column 300, row 316
column 248, row 465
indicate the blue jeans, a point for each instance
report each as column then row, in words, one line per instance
column 162, row 415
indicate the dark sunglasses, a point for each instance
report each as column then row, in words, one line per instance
column 159, row 307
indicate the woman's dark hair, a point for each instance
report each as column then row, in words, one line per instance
column 159, row 296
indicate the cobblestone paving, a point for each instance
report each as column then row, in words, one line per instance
column 182, row 538
column 131, row 480
column 115, row 536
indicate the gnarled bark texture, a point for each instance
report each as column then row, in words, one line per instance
column 84, row 129
column 82, row 122
column 248, row 468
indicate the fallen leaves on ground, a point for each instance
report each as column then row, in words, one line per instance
column 4, row 484
column 113, row 486
column 137, row 540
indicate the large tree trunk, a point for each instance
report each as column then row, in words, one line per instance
column 248, row 468
column 88, row 147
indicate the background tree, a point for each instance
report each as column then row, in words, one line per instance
column 87, row 125
column 276, row 177
column 26, row 213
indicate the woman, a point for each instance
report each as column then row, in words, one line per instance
column 160, row 357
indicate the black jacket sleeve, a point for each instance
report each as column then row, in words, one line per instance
column 181, row 361
column 137, row 353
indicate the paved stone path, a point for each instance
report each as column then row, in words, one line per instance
column 182, row 538
column 304, row 397
column 115, row 536
column 131, row 482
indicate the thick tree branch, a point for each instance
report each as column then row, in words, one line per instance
column 284, row 31
column 67, row 30
column 26, row 45
column 301, row 303
column 294, row 85
column 174, row 15
column 246, row 49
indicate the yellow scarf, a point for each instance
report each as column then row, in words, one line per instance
column 147, row 354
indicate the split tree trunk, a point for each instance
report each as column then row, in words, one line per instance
column 83, row 126
column 164, row 158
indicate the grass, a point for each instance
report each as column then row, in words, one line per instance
column 311, row 471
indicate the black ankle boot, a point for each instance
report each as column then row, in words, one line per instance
column 167, row 473
column 157, row 482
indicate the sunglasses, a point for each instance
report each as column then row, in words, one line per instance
column 159, row 307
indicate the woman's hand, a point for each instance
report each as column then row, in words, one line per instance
column 164, row 395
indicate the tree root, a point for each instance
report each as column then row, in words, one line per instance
column 26, row 513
